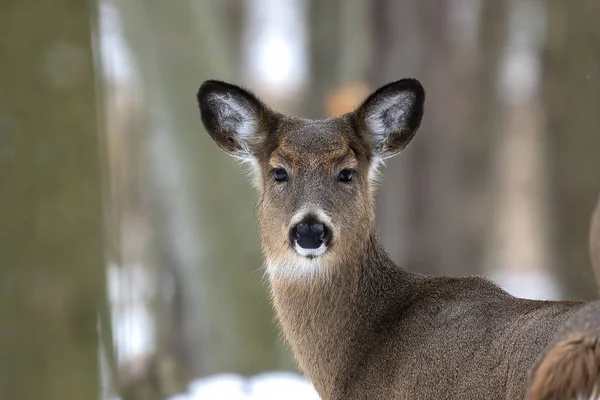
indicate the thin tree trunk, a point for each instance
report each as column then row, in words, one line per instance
column 519, row 250
column 324, row 46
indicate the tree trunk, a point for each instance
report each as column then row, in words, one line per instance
column 324, row 44
column 52, row 240
column 518, row 253
column 426, row 212
column 572, row 62
column 219, row 318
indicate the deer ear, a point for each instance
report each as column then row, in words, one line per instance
column 235, row 118
column 390, row 117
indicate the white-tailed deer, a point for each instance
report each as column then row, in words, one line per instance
column 359, row 326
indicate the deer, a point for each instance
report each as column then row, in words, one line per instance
column 359, row 326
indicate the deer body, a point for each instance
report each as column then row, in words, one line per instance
column 359, row 326
column 390, row 334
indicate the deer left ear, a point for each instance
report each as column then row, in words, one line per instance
column 235, row 118
column 390, row 117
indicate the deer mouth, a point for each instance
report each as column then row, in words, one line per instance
column 310, row 253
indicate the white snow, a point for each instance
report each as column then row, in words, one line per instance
column 534, row 285
column 276, row 385
column 265, row 386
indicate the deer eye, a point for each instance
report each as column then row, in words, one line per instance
column 345, row 175
column 280, row 175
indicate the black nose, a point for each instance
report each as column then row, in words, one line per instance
column 310, row 233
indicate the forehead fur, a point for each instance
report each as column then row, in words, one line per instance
column 329, row 139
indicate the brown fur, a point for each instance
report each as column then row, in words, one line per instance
column 595, row 242
column 360, row 326
column 570, row 368
column 570, row 364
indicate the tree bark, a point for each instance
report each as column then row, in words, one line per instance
column 205, row 237
column 426, row 214
column 52, row 238
column 518, row 253
column 572, row 99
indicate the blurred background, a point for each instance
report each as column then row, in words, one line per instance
column 129, row 255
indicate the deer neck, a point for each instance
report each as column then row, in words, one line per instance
column 330, row 319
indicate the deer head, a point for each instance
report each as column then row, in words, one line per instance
column 315, row 179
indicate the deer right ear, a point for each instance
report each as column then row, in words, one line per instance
column 235, row 118
column 389, row 118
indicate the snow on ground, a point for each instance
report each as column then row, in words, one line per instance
column 265, row 386
column 535, row 285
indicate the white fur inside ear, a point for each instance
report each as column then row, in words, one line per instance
column 389, row 114
column 234, row 115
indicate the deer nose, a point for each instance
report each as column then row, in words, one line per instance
column 310, row 234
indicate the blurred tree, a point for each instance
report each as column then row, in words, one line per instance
column 214, row 315
column 429, row 211
column 518, row 253
column 572, row 73
column 51, row 241
column 324, row 44
column 395, row 47
column 339, row 54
